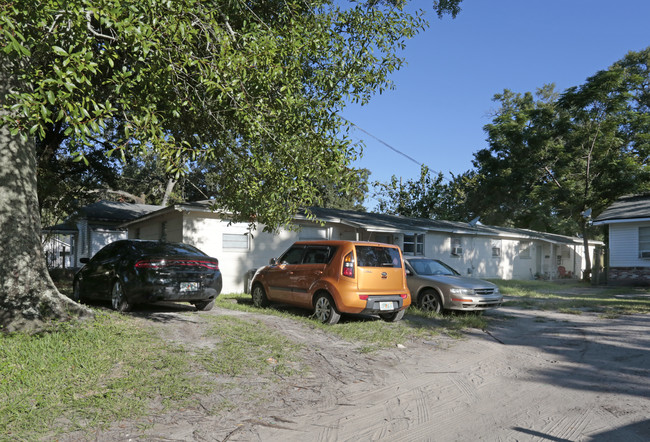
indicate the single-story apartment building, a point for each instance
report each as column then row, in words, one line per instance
column 471, row 248
column 91, row 228
column 628, row 223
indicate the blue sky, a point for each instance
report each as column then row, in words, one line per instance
column 443, row 95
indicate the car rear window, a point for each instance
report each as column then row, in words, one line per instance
column 163, row 248
column 377, row 256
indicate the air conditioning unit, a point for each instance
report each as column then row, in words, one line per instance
column 644, row 254
column 457, row 251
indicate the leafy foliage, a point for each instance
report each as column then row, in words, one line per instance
column 250, row 88
column 422, row 198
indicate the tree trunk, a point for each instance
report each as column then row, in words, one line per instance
column 29, row 300
column 168, row 191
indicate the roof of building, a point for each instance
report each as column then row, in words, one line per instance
column 379, row 222
column 631, row 208
column 105, row 213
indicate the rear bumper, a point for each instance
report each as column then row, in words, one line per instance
column 157, row 293
column 377, row 304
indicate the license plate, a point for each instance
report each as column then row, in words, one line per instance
column 385, row 306
column 189, row 286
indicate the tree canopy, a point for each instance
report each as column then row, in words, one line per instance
column 252, row 88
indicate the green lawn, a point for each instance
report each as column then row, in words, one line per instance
column 83, row 376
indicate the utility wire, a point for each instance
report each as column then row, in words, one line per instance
column 384, row 143
column 391, row 147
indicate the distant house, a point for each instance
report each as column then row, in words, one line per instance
column 90, row 229
column 628, row 222
column 474, row 249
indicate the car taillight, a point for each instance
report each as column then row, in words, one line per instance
column 150, row 264
column 348, row 265
column 404, row 295
column 161, row 263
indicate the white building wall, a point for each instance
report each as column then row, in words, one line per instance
column 206, row 231
column 624, row 245
column 99, row 238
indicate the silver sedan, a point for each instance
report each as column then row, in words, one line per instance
column 435, row 287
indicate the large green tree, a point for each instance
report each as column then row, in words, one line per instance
column 425, row 197
column 514, row 172
column 251, row 87
column 553, row 159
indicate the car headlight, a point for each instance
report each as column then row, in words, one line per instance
column 461, row 291
column 496, row 291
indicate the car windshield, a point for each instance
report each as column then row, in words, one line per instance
column 376, row 256
column 431, row 267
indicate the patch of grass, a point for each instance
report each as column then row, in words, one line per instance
column 86, row 375
column 248, row 347
column 371, row 332
column 575, row 297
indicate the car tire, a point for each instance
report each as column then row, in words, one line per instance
column 392, row 317
column 119, row 300
column 259, row 296
column 76, row 291
column 204, row 306
column 429, row 301
column 325, row 309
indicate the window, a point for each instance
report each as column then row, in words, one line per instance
column 496, row 247
column 456, row 247
column 233, row 241
column 644, row 242
column 524, row 249
column 318, row 254
column 373, row 256
column 414, row 244
column 293, row 255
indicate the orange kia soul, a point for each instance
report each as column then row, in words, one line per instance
column 336, row 277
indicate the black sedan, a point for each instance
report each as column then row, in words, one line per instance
column 131, row 271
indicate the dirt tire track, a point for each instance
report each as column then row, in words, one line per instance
column 536, row 375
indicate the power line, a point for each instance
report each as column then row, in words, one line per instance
column 384, row 143
column 393, row 148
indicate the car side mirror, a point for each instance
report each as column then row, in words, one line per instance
column 273, row 261
column 84, row 260
column 408, row 272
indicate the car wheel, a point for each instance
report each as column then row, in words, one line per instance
column 259, row 296
column 429, row 301
column 392, row 317
column 76, row 291
column 204, row 306
column 325, row 309
column 118, row 298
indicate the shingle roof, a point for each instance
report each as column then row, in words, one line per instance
column 105, row 212
column 628, row 208
column 116, row 211
column 379, row 222
column 394, row 223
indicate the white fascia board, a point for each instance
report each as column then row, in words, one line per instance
column 620, row 221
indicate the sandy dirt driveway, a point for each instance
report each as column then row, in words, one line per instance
column 533, row 375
